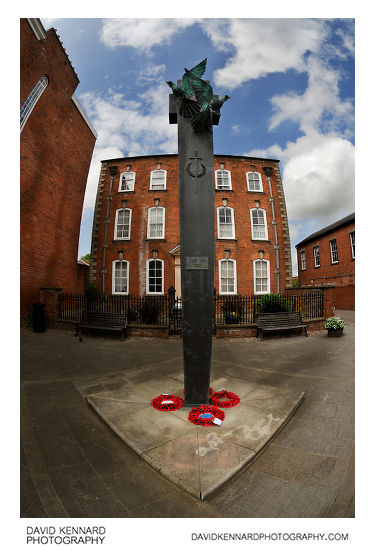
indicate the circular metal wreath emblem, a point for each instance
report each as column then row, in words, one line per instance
column 204, row 415
column 167, row 402
column 199, row 174
column 224, row 399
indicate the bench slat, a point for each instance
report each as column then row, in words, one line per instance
column 279, row 321
column 103, row 321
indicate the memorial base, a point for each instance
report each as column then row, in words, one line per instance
column 198, row 459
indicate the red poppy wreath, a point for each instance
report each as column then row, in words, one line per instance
column 205, row 415
column 167, row 402
column 224, row 399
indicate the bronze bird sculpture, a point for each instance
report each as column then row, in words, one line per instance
column 188, row 107
column 207, row 101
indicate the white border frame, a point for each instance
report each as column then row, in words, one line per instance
column 113, row 277
column 260, row 181
column 235, row 276
column 337, row 251
column 148, row 222
column 165, row 179
column 36, row 93
column 314, row 249
column 268, row 277
column 148, row 292
column 218, row 222
column 252, row 225
column 352, row 233
column 116, row 222
column 230, row 180
column 119, row 182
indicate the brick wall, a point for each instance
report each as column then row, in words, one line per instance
column 341, row 274
column 83, row 274
column 329, row 296
column 56, row 149
column 139, row 249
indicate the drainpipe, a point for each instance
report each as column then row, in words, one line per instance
column 268, row 172
column 112, row 172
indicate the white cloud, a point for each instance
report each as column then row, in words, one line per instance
column 127, row 128
column 142, row 34
column 347, row 38
column 320, row 99
column 318, row 181
column 319, row 177
column 262, row 46
column 150, row 73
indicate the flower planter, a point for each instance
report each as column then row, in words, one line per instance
column 335, row 332
column 231, row 319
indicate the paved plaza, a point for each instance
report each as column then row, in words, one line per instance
column 73, row 464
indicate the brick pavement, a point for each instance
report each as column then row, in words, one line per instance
column 73, row 465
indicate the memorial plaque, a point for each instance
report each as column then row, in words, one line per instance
column 197, row 263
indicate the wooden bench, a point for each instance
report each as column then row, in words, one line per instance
column 279, row 321
column 102, row 321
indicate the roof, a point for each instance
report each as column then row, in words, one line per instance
column 216, row 155
column 328, row 229
column 82, row 262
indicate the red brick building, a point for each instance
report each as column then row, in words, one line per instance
column 328, row 256
column 57, row 142
column 135, row 240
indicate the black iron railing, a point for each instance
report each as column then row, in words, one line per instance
column 166, row 310
column 149, row 310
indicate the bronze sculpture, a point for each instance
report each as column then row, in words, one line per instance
column 205, row 105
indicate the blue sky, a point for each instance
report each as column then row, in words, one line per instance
column 291, row 83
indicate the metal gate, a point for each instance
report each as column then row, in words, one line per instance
column 175, row 316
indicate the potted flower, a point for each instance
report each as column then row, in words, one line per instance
column 231, row 317
column 335, row 326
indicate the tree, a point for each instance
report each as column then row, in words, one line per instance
column 86, row 258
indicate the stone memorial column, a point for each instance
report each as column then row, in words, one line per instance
column 197, row 239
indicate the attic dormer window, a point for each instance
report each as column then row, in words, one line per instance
column 254, row 181
column 158, row 179
column 223, row 179
column 127, row 180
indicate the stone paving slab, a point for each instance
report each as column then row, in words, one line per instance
column 200, row 460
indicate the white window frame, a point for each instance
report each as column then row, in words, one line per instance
column 352, row 243
column 334, row 251
column 265, row 224
column 149, row 236
column 32, row 100
column 115, row 237
column 114, row 292
column 131, row 188
column 248, row 181
column 229, row 185
column 267, row 263
column 303, row 260
column 164, row 183
column 316, row 256
column 148, row 292
column 233, row 232
column 221, row 262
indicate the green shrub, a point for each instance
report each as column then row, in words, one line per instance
column 149, row 310
column 271, row 303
